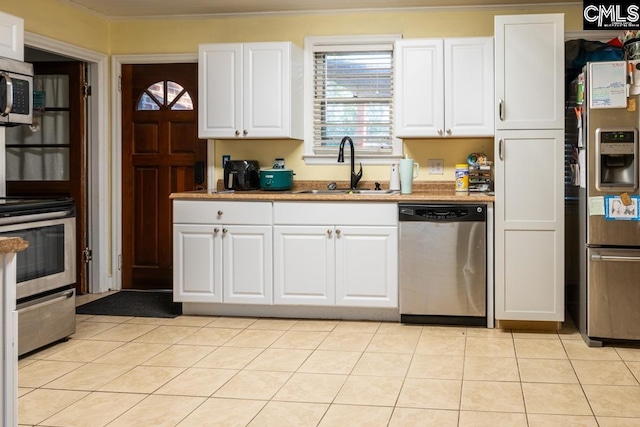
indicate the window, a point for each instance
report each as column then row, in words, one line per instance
column 166, row 94
column 349, row 92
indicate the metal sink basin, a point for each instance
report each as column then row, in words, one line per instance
column 348, row 191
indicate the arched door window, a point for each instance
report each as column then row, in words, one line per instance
column 165, row 95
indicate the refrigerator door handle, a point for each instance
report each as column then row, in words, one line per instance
column 596, row 257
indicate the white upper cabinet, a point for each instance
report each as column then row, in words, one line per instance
column 250, row 90
column 444, row 87
column 529, row 71
column 469, row 92
column 11, row 37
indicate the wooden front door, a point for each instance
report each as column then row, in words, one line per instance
column 48, row 159
column 161, row 154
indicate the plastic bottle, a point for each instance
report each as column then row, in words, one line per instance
column 462, row 177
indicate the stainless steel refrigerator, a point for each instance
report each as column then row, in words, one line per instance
column 605, row 301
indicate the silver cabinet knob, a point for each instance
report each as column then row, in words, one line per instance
column 439, row 131
column 220, row 213
column 448, row 131
column 224, row 231
column 329, row 232
column 244, row 132
column 237, row 133
column 216, row 230
column 338, row 232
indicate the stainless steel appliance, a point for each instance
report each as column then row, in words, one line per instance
column 443, row 275
column 45, row 271
column 241, row 175
column 16, row 92
column 604, row 297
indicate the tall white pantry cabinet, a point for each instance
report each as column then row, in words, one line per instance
column 529, row 167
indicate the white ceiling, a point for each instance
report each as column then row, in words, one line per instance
column 122, row 9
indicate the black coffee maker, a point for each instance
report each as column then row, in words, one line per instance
column 242, row 175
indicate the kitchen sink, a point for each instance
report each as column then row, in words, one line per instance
column 348, row 191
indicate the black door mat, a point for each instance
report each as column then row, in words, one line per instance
column 134, row 303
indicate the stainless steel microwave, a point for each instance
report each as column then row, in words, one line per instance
column 16, row 92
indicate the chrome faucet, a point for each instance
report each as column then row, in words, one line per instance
column 355, row 177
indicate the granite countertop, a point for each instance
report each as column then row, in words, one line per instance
column 12, row 244
column 441, row 191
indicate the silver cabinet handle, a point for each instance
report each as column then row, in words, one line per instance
column 224, row 231
column 216, row 230
column 615, row 258
column 439, row 131
column 329, row 232
column 220, row 213
column 9, row 105
column 500, row 154
column 244, row 132
column 448, row 131
column 237, row 133
column 501, row 109
column 338, row 232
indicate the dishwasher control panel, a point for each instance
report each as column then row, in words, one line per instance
column 442, row 213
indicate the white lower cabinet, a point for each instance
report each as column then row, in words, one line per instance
column 343, row 254
column 367, row 266
column 304, row 265
column 196, row 251
column 222, row 252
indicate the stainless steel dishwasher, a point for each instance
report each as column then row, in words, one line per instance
column 443, row 253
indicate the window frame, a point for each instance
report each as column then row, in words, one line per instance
column 310, row 42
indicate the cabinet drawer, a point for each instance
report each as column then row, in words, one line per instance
column 212, row 211
column 327, row 213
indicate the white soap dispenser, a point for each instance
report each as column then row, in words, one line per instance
column 394, row 179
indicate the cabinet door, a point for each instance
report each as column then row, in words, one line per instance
column 419, row 92
column 11, row 37
column 529, row 225
column 529, row 72
column 468, row 86
column 247, row 264
column 220, row 90
column 266, row 90
column 367, row 266
column 304, row 265
column 197, row 263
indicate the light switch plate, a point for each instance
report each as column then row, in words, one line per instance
column 435, row 166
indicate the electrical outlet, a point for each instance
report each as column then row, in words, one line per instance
column 435, row 166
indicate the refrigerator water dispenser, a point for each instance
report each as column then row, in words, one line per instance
column 617, row 159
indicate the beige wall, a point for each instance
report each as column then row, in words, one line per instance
column 57, row 20
column 184, row 35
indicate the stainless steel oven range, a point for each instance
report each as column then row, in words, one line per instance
column 45, row 271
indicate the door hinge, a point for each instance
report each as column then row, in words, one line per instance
column 120, row 262
column 119, row 83
column 86, row 90
column 87, row 255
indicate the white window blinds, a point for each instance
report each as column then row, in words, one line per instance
column 353, row 96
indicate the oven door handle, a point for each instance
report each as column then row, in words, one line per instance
column 68, row 294
column 596, row 257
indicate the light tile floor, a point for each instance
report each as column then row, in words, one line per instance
column 222, row 371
